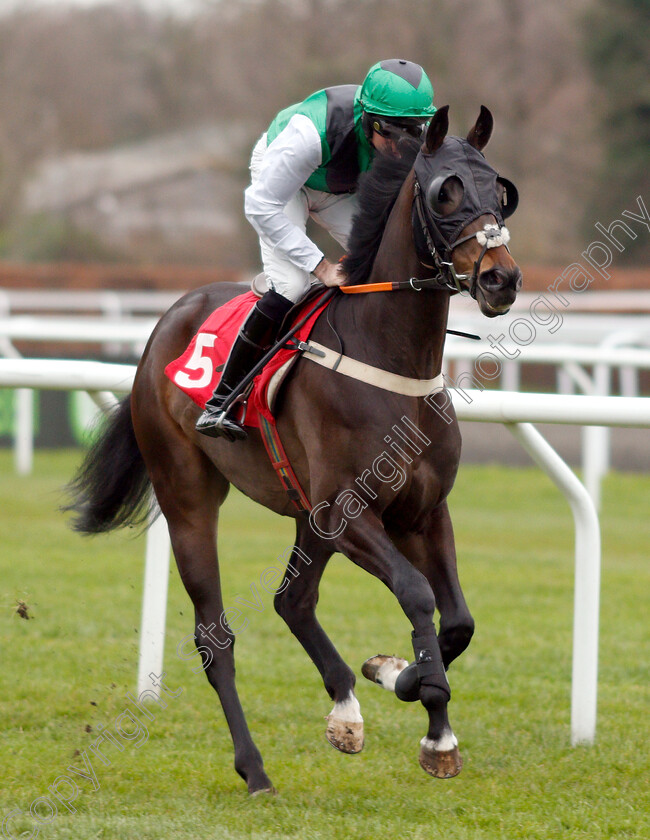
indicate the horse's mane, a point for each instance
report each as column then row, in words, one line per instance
column 377, row 192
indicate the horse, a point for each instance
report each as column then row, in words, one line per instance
column 438, row 207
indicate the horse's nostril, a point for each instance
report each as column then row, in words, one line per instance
column 495, row 279
column 492, row 279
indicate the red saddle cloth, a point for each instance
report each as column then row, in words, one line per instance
column 194, row 372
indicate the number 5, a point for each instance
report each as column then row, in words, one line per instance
column 198, row 362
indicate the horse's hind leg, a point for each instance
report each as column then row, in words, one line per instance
column 296, row 601
column 189, row 492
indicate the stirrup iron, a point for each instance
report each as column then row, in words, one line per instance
column 219, row 424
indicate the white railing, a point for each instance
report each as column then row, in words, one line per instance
column 131, row 334
column 115, row 302
column 111, row 304
column 127, row 336
column 77, row 329
column 515, row 410
column 604, row 301
column 570, row 361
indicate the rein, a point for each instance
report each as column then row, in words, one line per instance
column 414, row 284
column 396, row 286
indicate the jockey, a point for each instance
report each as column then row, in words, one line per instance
column 307, row 165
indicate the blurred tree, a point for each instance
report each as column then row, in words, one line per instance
column 617, row 35
column 80, row 79
column 49, row 238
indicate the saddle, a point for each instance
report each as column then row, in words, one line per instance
column 198, row 370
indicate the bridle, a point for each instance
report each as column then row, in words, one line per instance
column 433, row 248
column 426, row 232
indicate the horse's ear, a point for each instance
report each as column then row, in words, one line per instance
column 480, row 135
column 437, row 131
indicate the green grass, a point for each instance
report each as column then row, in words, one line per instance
column 69, row 667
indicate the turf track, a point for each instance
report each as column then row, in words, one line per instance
column 66, row 671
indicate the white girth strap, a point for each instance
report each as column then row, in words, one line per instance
column 371, row 375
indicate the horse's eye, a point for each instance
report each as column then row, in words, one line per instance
column 443, row 192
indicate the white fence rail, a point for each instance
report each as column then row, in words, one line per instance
column 517, row 411
column 115, row 302
column 81, row 328
column 131, row 334
column 112, row 304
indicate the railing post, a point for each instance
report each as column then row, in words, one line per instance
column 154, row 604
column 23, row 431
column 584, row 679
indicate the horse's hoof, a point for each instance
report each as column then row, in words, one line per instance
column 269, row 791
column 345, row 736
column 383, row 670
column 441, row 764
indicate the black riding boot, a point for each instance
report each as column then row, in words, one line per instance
column 255, row 338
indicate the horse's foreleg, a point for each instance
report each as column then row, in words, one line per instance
column 296, row 601
column 189, row 491
column 367, row 544
column 433, row 553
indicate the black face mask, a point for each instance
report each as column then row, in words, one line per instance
column 456, row 157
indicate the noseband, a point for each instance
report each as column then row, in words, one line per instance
column 426, row 232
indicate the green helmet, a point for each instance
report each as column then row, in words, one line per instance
column 397, row 88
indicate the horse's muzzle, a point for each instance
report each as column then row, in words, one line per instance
column 497, row 289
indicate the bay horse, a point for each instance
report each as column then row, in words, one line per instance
column 439, row 207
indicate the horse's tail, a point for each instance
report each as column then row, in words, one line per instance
column 111, row 487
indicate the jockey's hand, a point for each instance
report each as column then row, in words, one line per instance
column 329, row 274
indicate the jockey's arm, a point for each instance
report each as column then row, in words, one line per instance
column 288, row 162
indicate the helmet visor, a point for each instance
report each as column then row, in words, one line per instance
column 398, row 127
